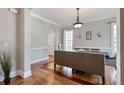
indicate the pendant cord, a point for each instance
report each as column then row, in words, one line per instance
column 77, row 14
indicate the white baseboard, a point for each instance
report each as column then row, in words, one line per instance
column 13, row 74
column 38, row 60
column 18, row 73
column 24, row 74
column 1, row 78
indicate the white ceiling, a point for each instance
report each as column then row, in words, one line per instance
column 67, row 16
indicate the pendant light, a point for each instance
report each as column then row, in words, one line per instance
column 78, row 24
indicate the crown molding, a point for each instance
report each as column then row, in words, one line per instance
column 100, row 19
column 109, row 19
column 43, row 19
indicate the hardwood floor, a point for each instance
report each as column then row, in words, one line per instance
column 44, row 74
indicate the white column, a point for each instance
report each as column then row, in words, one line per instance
column 120, row 46
column 24, row 43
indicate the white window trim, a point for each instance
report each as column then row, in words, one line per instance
column 65, row 39
column 112, row 52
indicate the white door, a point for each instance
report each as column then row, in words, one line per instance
column 51, row 42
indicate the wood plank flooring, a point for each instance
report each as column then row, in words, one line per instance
column 44, row 74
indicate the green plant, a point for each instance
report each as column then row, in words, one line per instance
column 6, row 64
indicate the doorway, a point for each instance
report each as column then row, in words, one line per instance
column 51, row 43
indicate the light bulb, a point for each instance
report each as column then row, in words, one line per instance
column 77, row 26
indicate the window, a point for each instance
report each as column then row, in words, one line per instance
column 113, row 39
column 68, row 39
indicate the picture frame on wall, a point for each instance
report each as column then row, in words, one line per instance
column 88, row 35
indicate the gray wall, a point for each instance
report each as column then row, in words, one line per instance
column 8, row 32
column 39, row 37
column 39, row 33
column 95, row 27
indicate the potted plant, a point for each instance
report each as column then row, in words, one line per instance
column 6, row 65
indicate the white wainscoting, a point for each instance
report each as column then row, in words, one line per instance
column 39, row 54
column 102, row 49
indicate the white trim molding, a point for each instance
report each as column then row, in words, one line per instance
column 1, row 78
column 13, row 74
column 43, row 19
column 18, row 73
column 113, row 18
column 39, row 60
column 106, row 48
column 39, row 48
column 24, row 74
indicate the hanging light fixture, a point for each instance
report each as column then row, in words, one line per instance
column 78, row 24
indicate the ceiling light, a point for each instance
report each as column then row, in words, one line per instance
column 78, row 24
